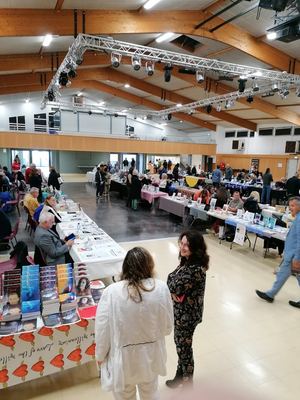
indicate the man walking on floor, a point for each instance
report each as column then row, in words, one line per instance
column 291, row 258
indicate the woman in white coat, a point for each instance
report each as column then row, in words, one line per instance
column 133, row 318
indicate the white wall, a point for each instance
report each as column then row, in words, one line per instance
column 98, row 125
column 257, row 144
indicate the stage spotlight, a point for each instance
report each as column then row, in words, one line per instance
column 150, row 68
column 136, row 63
column 115, row 60
column 284, row 92
column 199, row 76
column 168, row 68
column 255, row 86
column 51, row 96
column 169, row 117
column 218, row 107
column 90, row 112
column 229, row 104
column 298, row 92
column 72, row 74
column 250, row 99
column 242, row 85
column 79, row 60
column 275, row 87
column 208, row 108
column 63, row 78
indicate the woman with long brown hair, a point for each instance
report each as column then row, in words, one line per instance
column 187, row 287
column 133, row 318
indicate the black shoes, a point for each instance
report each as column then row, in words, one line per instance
column 294, row 303
column 264, row 296
column 177, row 381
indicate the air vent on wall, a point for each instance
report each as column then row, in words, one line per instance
column 230, row 134
column 242, row 134
column 297, row 131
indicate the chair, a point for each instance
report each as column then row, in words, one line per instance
column 14, row 202
column 30, row 223
column 13, row 233
column 7, row 265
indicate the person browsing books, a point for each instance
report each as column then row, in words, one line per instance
column 187, row 286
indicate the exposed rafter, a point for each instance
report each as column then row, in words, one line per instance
column 38, row 22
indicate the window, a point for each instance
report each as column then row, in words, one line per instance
column 54, row 122
column 290, row 147
column 265, row 132
column 40, row 122
column 17, row 123
column 252, row 133
column 230, row 134
column 242, row 134
column 297, row 131
column 283, row 131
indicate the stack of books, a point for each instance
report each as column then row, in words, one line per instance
column 65, row 284
column 11, row 303
column 49, row 292
column 30, row 292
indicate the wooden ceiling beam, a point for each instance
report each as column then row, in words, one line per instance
column 38, row 22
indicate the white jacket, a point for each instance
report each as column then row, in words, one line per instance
column 130, row 336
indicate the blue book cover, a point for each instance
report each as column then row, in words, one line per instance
column 30, row 306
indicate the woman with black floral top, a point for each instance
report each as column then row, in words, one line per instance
column 187, row 286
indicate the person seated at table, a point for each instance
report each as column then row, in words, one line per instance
column 30, row 200
column 236, row 203
column 252, row 179
column 4, row 182
column 251, row 203
column 204, row 195
column 222, row 197
column 50, row 206
column 8, row 174
column 54, row 250
column 144, row 179
column 163, row 181
column 164, row 169
column 4, row 231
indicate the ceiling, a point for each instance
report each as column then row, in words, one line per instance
column 26, row 68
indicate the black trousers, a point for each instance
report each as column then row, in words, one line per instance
column 183, row 337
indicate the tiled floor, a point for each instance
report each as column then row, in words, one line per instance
column 242, row 342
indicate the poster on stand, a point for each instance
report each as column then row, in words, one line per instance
column 240, row 234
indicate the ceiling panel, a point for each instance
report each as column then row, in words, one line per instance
column 27, row 4
column 249, row 113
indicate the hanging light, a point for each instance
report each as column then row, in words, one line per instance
column 199, row 76
column 218, row 107
column 51, row 96
column 136, row 63
column 168, row 68
column 255, row 86
column 208, row 108
column 242, row 85
column 250, row 99
column 275, row 87
column 72, row 73
column 63, row 78
column 150, row 68
column 115, row 60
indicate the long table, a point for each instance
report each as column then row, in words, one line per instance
column 277, row 233
column 173, row 205
column 150, row 196
column 93, row 246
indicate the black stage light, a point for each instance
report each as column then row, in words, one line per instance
column 249, row 99
column 208, row 108
column 90, row 113
column 72, row 74
column 242, row 85
column 168, row 68
column 51, row 96
column 169, row 116
column 63, row 78
column 150, row 68
column 136, row 63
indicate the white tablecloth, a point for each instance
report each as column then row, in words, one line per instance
column 93, row 247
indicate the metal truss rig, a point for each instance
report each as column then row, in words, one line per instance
column 85, row 42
